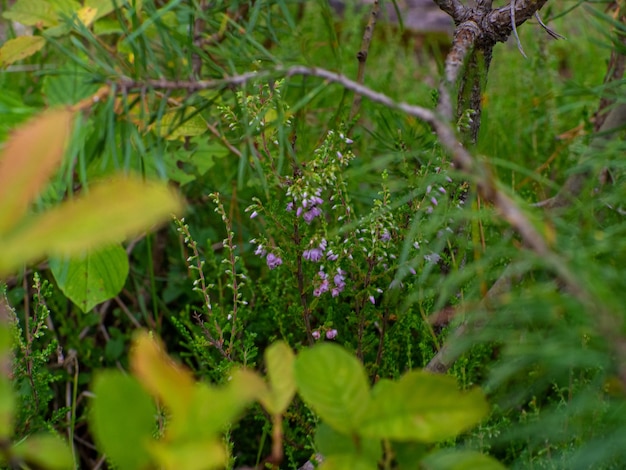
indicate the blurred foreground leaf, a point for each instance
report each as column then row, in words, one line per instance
column 110, row 212
column 28, row 160
column 123, row 419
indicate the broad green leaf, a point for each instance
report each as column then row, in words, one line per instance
column 175, row 125
column 348, row 462
column 160, row 375
column 279, row 360
column 38, row 13
column 20, row 48
column 111, row 211
column 7, row 395
column 44, row 451
column 409, row 454
column 333, row 383
column 329, row 442
column 95, row 277
column 422, row 406
column 68, row 86
column 214, row 408
column 460, row 460
column 28, row 160
column 204, row 455
column 122, row 419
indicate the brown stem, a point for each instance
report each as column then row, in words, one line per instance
column 362, row 56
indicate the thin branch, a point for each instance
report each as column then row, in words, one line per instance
column 362, row 55
column 508, row 209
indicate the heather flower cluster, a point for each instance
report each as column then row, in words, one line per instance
column 272, row 259
column 323, row 283
column 330, row 334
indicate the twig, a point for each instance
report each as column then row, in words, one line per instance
column 514, row 27
column 362, row 55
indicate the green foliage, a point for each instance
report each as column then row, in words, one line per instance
column 303, row 225
column 97, row 276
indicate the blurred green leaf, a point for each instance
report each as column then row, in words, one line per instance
column 334, row 384
column 279, row 360
column 44, row 451
column 112, row 210
column 95, row 277
column 205, row 455
column 460, row 460
column 123, row 419
column 348, row 461
column 332, row 443
column 423, row 407
column 172, row 384
column 32, row 12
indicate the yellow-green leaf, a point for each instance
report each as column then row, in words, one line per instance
column 44, row 451
column 87, row 15
column 422, row 407
column 173, row 385
column 32, row 13
column 175, row 125
column 110, row 212
column 279, row 360
column 203, row 455
column 214, row 408
column 28, row 160
column 102, row 7
column 20, row 48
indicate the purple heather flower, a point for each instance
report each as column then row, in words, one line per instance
column 323, row 244
column 434, row 201
column 372, row 299
column 254, row 214
column 331, row 334
column 339, row 281
column 442, row 190
column 311, row 214
column 339, row 155
column 273, row 261
column 429, row 188
column 412, row 271
column 386, row 236
column 314, row 254
column 299, row 211
column 316, row 335
column 260, row 251
column 332, row 256
column 289, row 207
